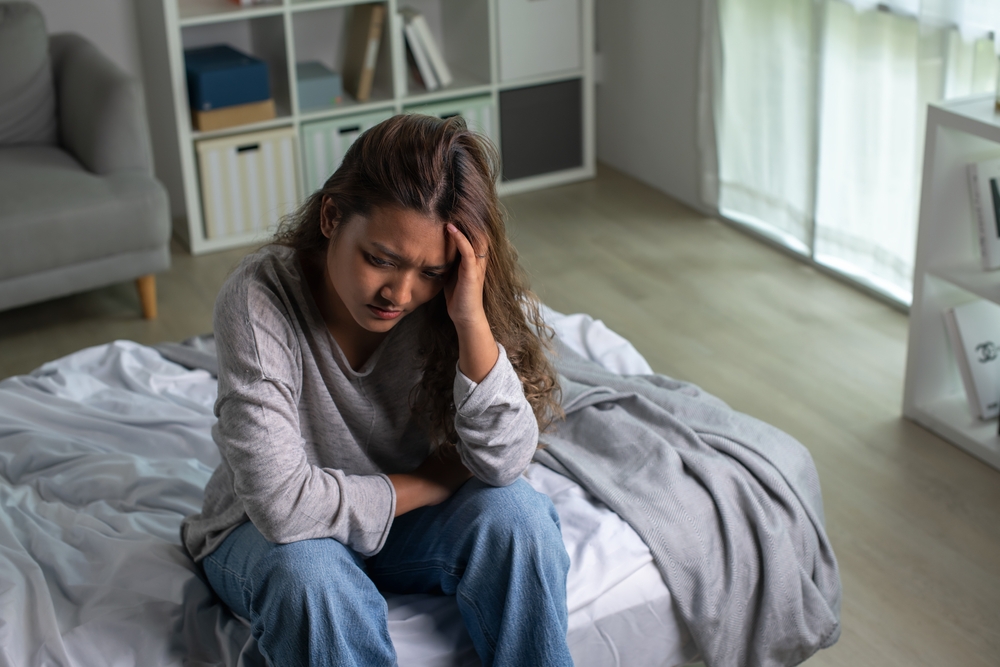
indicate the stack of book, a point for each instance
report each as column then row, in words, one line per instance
column 226, row 87
column 426, row 62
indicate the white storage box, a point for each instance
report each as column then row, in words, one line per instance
column 248, row 182
column 324, row 143
column 538, row 37
column 479, row 113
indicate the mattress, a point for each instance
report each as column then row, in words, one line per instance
column 103, row 452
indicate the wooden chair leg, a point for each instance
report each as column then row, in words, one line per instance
column 147, row 295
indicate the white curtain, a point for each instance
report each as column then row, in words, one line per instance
column 819, row 118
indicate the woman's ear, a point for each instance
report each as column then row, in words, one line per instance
column 329, row 217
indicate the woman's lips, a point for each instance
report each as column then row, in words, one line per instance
column 383, row 314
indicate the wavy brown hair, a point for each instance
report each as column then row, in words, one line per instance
column 441, row 169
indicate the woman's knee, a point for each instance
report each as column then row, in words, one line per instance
column 306, row 569
column 516, row 512
column 312, row 602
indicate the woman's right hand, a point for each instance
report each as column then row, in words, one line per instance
column 432, row 483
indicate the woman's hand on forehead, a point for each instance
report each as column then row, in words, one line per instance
column 464, row 294
column 464, row 290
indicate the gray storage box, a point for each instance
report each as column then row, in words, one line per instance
column 318, row 86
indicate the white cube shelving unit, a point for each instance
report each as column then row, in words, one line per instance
column 948, row 273
column 284, row 32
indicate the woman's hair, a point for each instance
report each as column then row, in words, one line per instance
column 443, row 170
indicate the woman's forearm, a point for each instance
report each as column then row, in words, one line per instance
column 432, row 483
column 477, row 350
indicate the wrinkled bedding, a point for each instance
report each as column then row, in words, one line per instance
column 103, row 452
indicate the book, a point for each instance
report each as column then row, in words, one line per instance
column 364, row 36
column 420, row 65
column 430, row 46
column 974, row 331
column 984, row 186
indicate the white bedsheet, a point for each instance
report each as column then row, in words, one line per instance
column 104, row 451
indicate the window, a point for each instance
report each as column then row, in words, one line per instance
column 819, row 119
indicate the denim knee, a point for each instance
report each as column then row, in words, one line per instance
column 312, row 603
column 305, row 569
column 513, row 513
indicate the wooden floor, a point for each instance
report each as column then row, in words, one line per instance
column 914, row 521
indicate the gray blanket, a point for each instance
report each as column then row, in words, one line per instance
column 729, row 506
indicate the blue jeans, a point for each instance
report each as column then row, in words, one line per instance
column 498, row 550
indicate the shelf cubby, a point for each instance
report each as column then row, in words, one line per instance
column 461, row 29
column 262, row 37
column 320, row 34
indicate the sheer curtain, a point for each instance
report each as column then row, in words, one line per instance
column 819, row 110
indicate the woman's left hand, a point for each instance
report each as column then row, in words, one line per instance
column 464, row 290
column 477, row 350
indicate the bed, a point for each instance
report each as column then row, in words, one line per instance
column 104, row 451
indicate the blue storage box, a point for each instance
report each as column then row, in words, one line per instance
column 318, row 86
column 220, row 76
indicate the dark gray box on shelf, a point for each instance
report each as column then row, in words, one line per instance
column 318, row 86
column 541, row 129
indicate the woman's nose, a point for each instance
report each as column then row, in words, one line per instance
column 398, row 291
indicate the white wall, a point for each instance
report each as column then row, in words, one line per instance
column 110, row 24
column 647, row 98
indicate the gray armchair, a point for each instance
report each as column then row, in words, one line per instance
column 79, row 207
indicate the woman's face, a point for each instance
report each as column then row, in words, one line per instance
column 385, row 265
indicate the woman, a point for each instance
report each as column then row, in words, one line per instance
column 381, row 388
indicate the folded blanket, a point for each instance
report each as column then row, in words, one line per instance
column 729, row 506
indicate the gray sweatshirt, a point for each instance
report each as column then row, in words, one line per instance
column 307, row 441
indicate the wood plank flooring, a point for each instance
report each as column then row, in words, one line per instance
column 914, row 521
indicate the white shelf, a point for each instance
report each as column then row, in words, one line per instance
column 976, row 115
column 202, row 12
column 309, row 5
column 541, row 79
column 284, row 32
column 203, row 245
column 280, row 121
column 347, row 108
column 463, row 85
column 951, row 419
column 947, row 273
column 984, row 284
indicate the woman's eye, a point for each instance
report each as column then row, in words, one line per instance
column 372, row 259
column 433, row 275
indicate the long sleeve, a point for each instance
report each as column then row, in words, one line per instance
column 287, row 496
column 497, row 429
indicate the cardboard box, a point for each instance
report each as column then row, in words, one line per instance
column 319, row 87
column 220, row 76
column 239, row 114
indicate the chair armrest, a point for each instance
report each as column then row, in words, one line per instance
column 100, row 110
